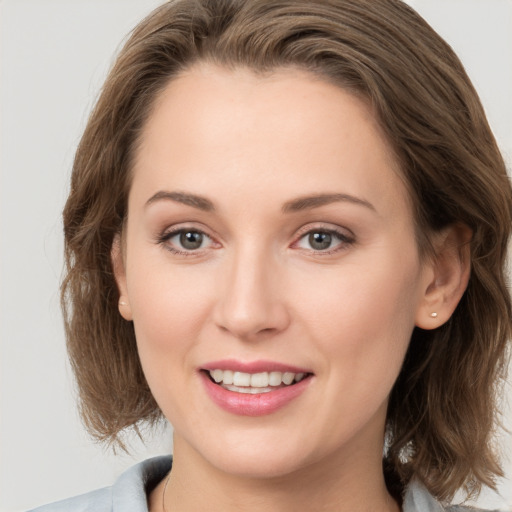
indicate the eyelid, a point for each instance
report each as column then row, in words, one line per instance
column 165, row 235
column 345, row 235
column 324, row 226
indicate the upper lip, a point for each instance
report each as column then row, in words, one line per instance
column 253, row 366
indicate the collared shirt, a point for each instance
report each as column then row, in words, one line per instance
column 129, row 493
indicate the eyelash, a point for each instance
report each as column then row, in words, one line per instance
column 345, row 240
column 164, row 238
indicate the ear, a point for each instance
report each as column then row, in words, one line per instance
column 118, row 266
column 446, row 277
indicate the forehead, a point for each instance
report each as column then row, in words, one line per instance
column 288, row 131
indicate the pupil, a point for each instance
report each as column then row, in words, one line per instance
column 320, row 241
column 191, row 240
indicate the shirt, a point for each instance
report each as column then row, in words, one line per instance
column 129, row 493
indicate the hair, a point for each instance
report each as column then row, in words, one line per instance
column 442, row 411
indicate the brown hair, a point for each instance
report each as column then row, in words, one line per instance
column 442, row 410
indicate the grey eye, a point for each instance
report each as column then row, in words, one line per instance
column 320, row 240
column 324, row 241
column 191, row 240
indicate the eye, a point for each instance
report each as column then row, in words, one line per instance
column 190, row 240
column 185, row 240
column 324, row 240
column 320, row 241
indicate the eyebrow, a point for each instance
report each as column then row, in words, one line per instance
column 199, row 202
column 295, row 205
column 315, row 201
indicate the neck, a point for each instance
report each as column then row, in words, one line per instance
column 354, row 484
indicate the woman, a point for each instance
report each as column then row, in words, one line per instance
column 286, row 234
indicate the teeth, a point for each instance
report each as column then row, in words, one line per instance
column 259, row 382
column 241, row 379
column 274, row 378
column 228, row 377
column 288, row 377
column 248, row 390
column 217, row 375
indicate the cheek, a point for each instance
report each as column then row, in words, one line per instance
column 169, row 310
column 363, row 317
column 364, row 334
column 169, row 307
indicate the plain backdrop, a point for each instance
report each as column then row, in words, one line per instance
column 54, row 56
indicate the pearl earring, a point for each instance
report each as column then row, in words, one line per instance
column 122, row 303
column 433, row 315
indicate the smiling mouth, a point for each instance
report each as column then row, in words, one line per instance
column 254, row 383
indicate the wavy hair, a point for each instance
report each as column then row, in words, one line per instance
column 443, row 408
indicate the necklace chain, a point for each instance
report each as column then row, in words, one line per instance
column 165, row 489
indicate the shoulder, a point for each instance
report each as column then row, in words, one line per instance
column 99, row 500
column 418, row 499
column 128, row 494
column 463, row 508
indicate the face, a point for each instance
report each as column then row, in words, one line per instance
column 269, row 239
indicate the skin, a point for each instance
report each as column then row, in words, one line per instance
column 257, row 289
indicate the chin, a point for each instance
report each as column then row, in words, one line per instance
column 260, row 466
column 250, row 455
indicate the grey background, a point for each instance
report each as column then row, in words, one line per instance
column 53, row 57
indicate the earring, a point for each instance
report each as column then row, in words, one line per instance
column 433, row 315
column 122, row 303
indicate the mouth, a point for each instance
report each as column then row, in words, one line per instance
column 254, row 383
column 255, row 388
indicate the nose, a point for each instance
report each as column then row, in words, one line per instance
column 251, row 301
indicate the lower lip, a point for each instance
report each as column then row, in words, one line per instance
column 245, row 404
